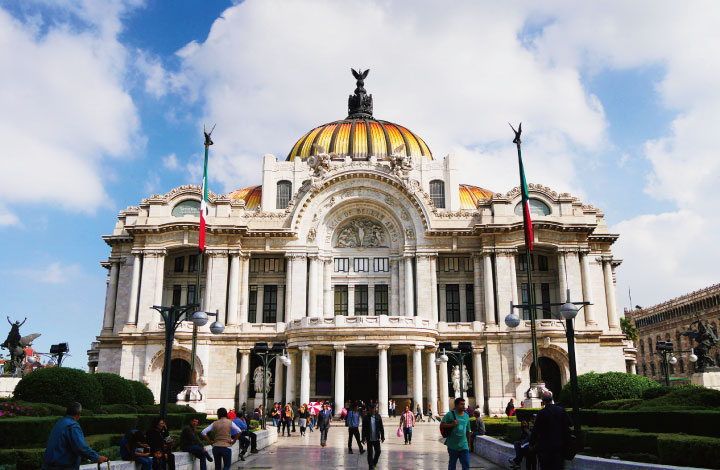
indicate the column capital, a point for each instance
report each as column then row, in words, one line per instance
column 604, row 258
column 408, row 256
column 506, row 251
column 418, row 347
column 245, row 349
column 313, row 256
column 216, row 253
column 244, row 255
column 427, row 255
column 235, row 252
column 567, row 249
column 340, row 347
column 383, row 347
column 488, row 251
column 477, row 256
column 153, row 252
column 478, row 349
column 431, row 349
column 305, row 348
column 116, row 259
column 295, row 256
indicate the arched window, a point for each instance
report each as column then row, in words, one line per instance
column 284, row 190
column 437, row 193
column 537, row 207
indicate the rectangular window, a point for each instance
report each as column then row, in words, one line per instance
column 177, row 294
column 437, row 193
column 545, row 300
column 192, row 263
column 452, row 302
column 179, row 264
column 342, row 265
column 526, row 299
column 470, row 302
column 380, row 265
column 542, row 263
column 269, row 304
column 284, row 188
column 398, row 373
column 361, row 265
column 381, row 299
column 361, row 300
column 191, row 294
column 341, row 300
column 522, row 262
column 255, row 265
column 252, row 305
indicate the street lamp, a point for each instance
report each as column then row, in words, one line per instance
column 267, row 355
column 666, row 351
column 464, row 349
column 173, row 317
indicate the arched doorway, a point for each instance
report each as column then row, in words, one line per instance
column 179, row 377
column 550, row 375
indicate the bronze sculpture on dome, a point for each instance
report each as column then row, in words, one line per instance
column 360, row 104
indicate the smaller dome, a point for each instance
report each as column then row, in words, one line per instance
column 251, row 195
column 469, row 196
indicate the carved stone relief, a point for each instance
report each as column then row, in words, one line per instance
column 361, row 232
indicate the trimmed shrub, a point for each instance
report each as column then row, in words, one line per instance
column 115, row 389
column 22, row 459
column 685, row 396
column 148, row 409
column 595, row 388
column 60, row 386
column 525, row 414
column 624, row 404
column 119, row 409
column 173, row 408
column 26, row 432
column 689, row 451
column 614, row 441
column 108, row 424
column 143, row 395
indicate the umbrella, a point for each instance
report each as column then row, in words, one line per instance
column 314, row 407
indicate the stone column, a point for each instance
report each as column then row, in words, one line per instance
column 561, row 277
column 443, row 302
column 434, row 289
column 504, row 281
column 409, row 284
column 587, row 289
column 613, row 321
column 339, row 378
column 443, row 384
column 297, row 307
column 383, row 396
column 244, row 289
column 477, row 287
column 209, row 260
column 217, row 287
column 280, row 304
column 244, row 379
column 513, row 278
column 463, row 302
column 279, row 383
column 111, row 296
column 424, row 281
column 259, row 303
column 371, row 299
column 433, row 379
column 305, row 375
column 489, row 295
column 159, row 278
column 134, row 289
column 290, row 377
column 351, row 301
column 233, row 289
column 328, row 304
column 148, row 318
column 478, row 379
column 312, row 304
column 394, row 287
column 288, row 289
column 417, row 376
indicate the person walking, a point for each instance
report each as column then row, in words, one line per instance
column 191, row 443
column 407, row 421
column 226, row 434
column 373, row 434
column 323, row 423
column 549, row 434
column 430, row 414
column 352, row 421
column 510, row 408
column 275, row 415
column 457, row 422
column 303, row 418
column 67, row 443
column 286, row 418
column 419, row 413
column 294, row 414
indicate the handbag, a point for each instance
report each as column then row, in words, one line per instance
column 445, row 432
column 400, row 433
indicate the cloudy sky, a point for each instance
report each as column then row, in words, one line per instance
column 103, row 104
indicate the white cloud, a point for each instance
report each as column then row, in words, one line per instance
column 170, row 162
column 66, row 107
column 7, row 218
column 54, row 273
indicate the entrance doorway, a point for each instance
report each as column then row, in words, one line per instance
column 550, row 375
column 361, row 378
column 179, row 377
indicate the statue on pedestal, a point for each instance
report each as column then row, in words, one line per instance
column 16, row 344
column 705, row 339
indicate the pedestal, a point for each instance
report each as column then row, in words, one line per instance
column 709, row 378
column 533, row 397
column 192, row 396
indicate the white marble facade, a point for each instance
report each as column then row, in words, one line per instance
column 360, row 275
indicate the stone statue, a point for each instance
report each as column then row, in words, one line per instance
column 258, row 379
column 400, row 164
column 705, row 339
column 361, row 233
column 467, row 383
column 16, row 344
column 320, row 162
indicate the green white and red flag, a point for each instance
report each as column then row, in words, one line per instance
column 203, row 203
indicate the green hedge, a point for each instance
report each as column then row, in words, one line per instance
column 143, row 395
column 26, row 432
column 694, row 422
column 22, row 459
column 623, row 404
column 502, row 429
column 525, row 414
column 119, row 409
column 691, row 451
column 614, row 441
column 594, row 388
column 60, row 386
column 115, row 389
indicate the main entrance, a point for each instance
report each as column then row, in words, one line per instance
column 361, row 378
column 550, row 375
column 179, row 377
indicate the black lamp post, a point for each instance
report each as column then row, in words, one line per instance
column 267, row 355
column 666, row 351
column 464, row 349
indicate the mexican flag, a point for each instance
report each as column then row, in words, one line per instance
column 527, row 222
column 203, row 203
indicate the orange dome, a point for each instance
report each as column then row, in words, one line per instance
column 251, row 195
column 469, row 196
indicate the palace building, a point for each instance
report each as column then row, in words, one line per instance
column 361, row 250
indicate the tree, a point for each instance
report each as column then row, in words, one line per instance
column 629, row 329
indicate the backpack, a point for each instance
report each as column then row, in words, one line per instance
column 445, row 432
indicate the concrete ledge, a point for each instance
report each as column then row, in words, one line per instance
column 7, row 385
column 499, row 452
column 184, row 461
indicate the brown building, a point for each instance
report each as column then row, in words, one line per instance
column 666, row 322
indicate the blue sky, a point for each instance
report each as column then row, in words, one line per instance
column 105, row 102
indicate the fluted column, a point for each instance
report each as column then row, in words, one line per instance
column 463, row 302
column 433, row 381
column 210, row 262
column 233, row 289
column 423, row 280
column 478, row 378
column 312, row 304
column 111, row 295
column 562, row 274
column 305, row 375
column 613, row 321
column 383, row 396
column 244, row 379
column 489, row 296
column 444, row 394
column 244, row 289
column 280, row 304
column 134, row 289
column 290, row 377
column 159, row 278
column 443, row 302
column 351, row 301
column 417, row 376
column 148, row 319
column 328, row 307
column 409, row 283
column 297, row 307
column 371, row 299
column 260, row 299
column 288, row 289
column 339, row 378
column 477, row 286
column 395, row 287
column 513, row 278
column 587, row 289
column 434, row 289
column 279, row 383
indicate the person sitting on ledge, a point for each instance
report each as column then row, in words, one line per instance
column 191, row 443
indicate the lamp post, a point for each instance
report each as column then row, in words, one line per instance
column 464, row 349
column 267, row 355
column 172, row 317
column 666, row 351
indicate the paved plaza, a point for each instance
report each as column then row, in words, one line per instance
column 426, row 452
